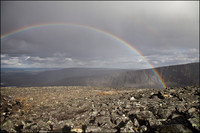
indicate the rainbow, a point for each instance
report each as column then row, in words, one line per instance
column 91, row 28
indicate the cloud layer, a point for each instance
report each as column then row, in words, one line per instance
column 165, row 33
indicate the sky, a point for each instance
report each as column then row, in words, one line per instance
column 165, row 33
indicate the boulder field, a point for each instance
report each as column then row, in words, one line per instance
column 95, row 109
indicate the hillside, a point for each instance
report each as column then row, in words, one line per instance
column 173, row 76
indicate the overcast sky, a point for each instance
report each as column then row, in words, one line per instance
column 166, row 33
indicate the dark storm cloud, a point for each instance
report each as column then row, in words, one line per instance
column 159, row 30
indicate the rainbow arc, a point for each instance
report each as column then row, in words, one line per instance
column 6, row 35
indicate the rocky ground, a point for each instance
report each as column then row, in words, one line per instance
column 94, row 109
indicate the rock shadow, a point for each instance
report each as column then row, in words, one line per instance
column 66, row 129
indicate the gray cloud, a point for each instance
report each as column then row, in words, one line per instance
column 174, row 57
column 164, row 32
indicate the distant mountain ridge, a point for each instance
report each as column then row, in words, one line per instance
column 173, row 76
column 26, row 69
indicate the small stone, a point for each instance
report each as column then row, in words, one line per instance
column 155, row 122
column 128, row 106
column 122, row 119
column 195, row 123
column 143, row 128
column 43, row 131
column 133, row 112
column 137, row 104
column 49, row 122
column 135, row 122
column 103, row 112
column 31, row 99
column 8, row 125
column 108, row 130
column 175, row 115
column 132, row 99
column 192, row 110
column 128, row 127
column 43, row 126
column 164, row 113
column 144, row 115
column 103, row 121
column 181, row 108
column 2, row 118
column 94, row 113
column 93, row 129
column 79, row 130
column 13, row 130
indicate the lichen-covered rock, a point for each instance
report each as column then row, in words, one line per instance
column 135, row 122
column 103, row 121
column 195, row 122
column 164, row 113
column 191, row 110
column 129, row 127
column 145, row 115
column 8, row 126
